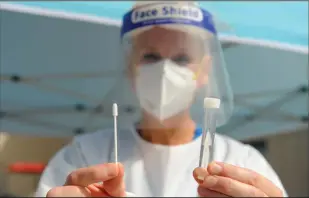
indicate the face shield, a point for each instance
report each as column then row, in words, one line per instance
column 174, row 61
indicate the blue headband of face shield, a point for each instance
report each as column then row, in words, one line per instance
column 167, row 13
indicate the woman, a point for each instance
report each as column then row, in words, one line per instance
column 174, row 62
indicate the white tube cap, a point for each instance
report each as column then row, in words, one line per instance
column 212, row 103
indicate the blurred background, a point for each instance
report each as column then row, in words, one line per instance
column 59, row 60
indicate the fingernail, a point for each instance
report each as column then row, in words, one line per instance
column 210, row 181
column 215, row 169
column 201, row 174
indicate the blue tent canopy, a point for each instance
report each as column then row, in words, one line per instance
column 62, row 53
column 285, row 22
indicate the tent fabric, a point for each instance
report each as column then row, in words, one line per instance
column 248, row 19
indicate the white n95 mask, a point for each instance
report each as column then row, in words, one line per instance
column 164, row 88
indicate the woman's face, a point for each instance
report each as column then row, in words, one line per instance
column 159, row 43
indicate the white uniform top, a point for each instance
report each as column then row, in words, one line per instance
column 150, row 170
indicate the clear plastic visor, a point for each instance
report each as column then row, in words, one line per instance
column 173, row 70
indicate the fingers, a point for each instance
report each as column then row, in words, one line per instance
column 230, row 187
column 84, row 182
column 77, row 191
column 97, row 190
column 68, row 191
column 244, row 176
column 116, row 187
column 219, row 186
column 204, row 192
column 199, row 174
column 93, row 174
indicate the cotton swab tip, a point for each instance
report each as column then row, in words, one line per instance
column 115, row 109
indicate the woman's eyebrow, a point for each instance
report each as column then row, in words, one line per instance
column 148, row 53
column 149, row 48
column 184, row 52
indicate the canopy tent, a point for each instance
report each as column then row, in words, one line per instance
column 59, row 61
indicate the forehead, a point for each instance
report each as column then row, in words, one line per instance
column 163, row 38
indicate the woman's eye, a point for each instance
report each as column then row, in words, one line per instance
column 182, row 60
column 151, row 57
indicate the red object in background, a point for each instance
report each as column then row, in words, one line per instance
column 24, row 167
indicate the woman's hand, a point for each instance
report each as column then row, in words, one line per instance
column 87, row 182
column 225, row 180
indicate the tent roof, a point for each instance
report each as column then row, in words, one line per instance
column 251, row 20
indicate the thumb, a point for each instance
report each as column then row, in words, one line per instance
column 116, row 186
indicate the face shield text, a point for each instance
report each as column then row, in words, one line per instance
column 165, row 12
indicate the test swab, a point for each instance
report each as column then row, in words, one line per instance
column 115, row 114
column 210, row 107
